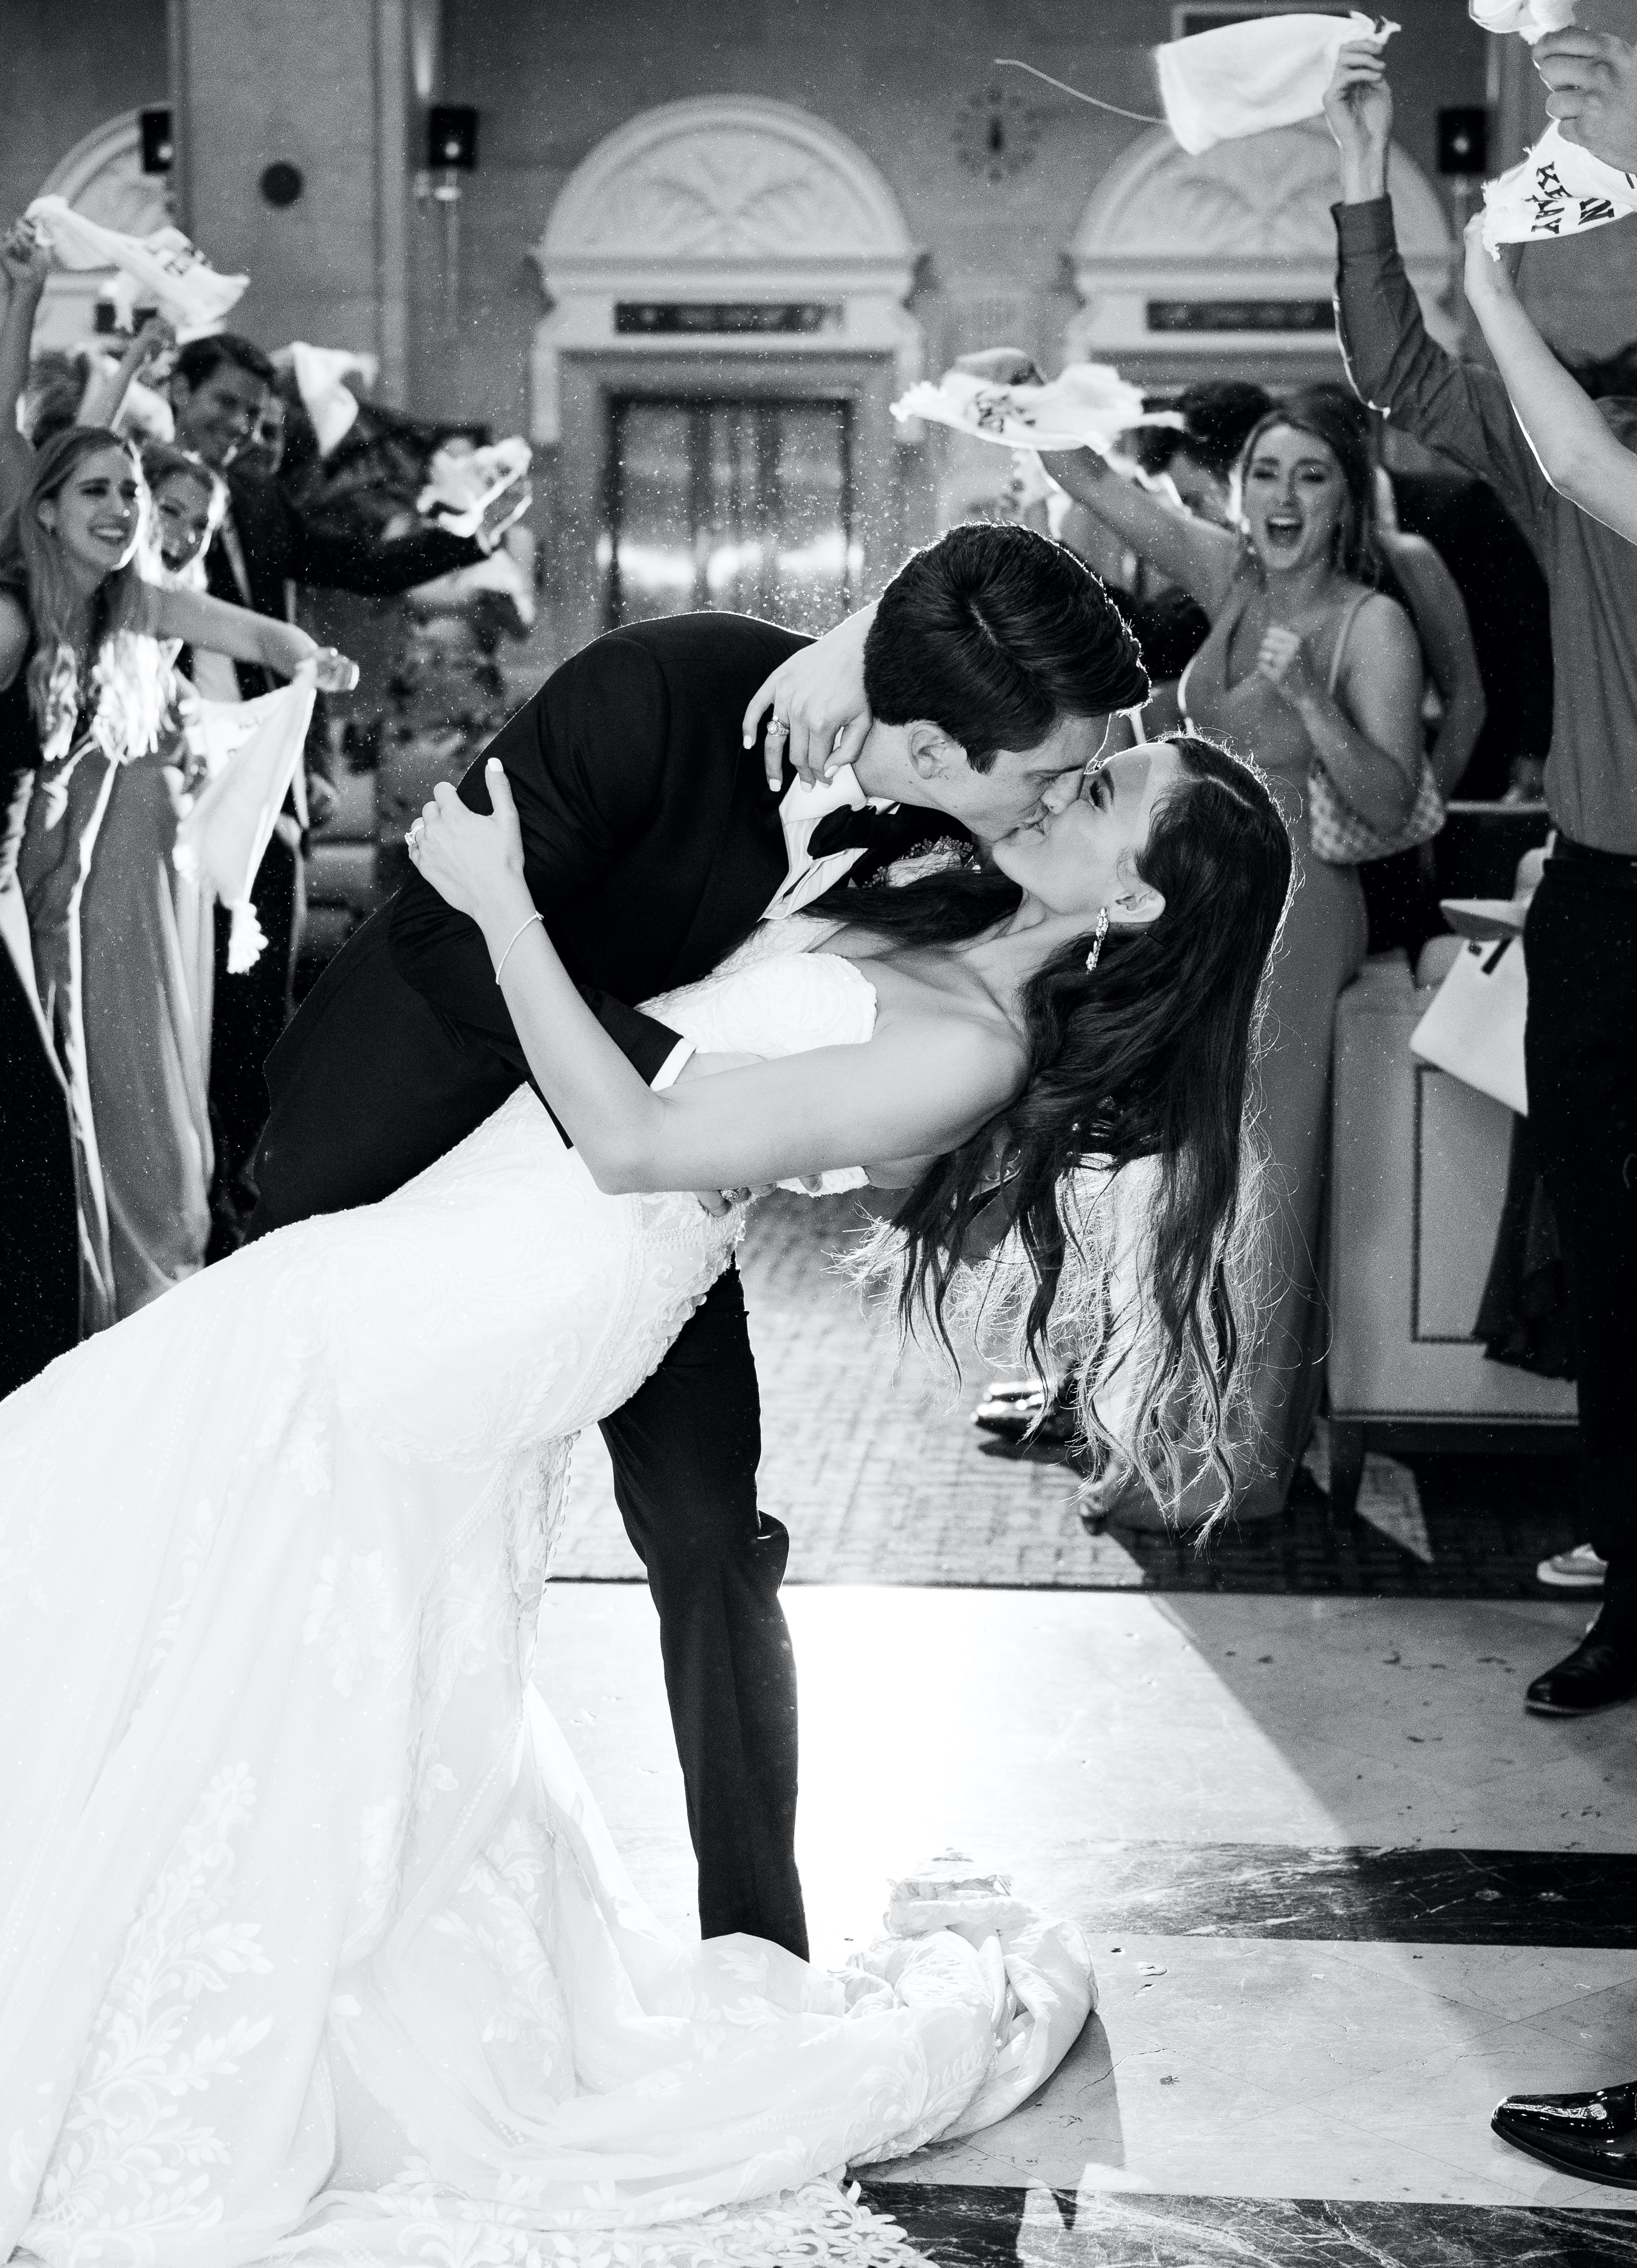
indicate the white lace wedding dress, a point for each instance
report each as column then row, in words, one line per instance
column 312, row 1945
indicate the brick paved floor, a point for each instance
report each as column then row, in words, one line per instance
column 874, row 1466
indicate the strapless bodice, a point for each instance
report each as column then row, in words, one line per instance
column 780, row 994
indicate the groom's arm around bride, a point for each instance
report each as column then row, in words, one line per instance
column 649, row 830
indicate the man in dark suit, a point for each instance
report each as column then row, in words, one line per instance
column 262, row 552
column 654, row 844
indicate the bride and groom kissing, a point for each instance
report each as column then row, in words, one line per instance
column 310, row 1936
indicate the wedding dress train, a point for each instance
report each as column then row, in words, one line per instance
column 312, row 1945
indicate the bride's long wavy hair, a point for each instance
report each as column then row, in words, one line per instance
column 1108, row 1212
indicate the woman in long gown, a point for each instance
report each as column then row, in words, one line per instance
column 88, row 638
column 1306, row 665
column 311, row 1945
column 147, row 947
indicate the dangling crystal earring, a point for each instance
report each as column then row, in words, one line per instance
column 1101, row 931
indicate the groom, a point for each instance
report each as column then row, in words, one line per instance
column 653, row 844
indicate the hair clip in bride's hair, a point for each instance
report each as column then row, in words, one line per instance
column 1095, row 954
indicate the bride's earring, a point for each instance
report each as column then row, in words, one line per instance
column 1101, row 931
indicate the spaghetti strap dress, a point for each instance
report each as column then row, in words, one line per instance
column 1222, row 693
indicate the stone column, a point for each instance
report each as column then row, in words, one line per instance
column 322, row 85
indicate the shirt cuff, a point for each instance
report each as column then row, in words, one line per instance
column 671, row 1070
column 1365, row 227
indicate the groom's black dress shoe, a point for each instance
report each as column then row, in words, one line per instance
column 1591, row 2136
column 1601, row 1669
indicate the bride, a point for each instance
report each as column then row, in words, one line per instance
column 313, row 1946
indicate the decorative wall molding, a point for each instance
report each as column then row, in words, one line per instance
column 102, row 176
column 724, row 200
column 1247, row 221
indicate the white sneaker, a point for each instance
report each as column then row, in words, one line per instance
column 1579, row 1570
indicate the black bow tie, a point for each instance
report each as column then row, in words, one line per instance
column 882, row 836
column 846, row 829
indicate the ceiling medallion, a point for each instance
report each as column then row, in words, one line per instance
column 997, row 134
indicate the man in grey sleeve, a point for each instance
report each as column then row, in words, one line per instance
column 1581, row 942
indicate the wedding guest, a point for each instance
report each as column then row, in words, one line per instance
column 1579, row 940
column 220, row 387
column 86, row 636
column 1317, row 675
column 147, row 947
column 1401, row 892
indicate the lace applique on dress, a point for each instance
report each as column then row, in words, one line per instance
column 133, row 2150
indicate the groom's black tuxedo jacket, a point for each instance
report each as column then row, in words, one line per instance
column 652, row 844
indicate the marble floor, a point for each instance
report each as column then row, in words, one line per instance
column 1341, row 1894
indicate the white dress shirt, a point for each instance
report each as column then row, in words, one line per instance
column 808, row 878
column 798, row 814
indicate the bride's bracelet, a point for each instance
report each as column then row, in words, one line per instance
column 516, row 933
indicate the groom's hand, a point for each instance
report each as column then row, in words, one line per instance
column 821, row 715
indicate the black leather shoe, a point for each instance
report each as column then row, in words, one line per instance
column 1018, row 1412
column 1601, row 1669
column 1010, row 1409
column 1593, row 2136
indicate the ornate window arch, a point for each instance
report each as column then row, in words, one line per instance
column 1170, row 246
column 724, row 201
column 102, row 176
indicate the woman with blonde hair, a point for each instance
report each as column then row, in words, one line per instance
column 87, row 637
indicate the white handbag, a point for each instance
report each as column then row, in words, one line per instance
column 1474, row 1028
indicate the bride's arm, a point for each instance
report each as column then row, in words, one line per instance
column 923, row 1089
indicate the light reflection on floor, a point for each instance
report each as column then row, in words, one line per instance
column 1028, row 1728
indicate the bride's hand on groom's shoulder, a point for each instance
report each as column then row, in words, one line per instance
column 821, row 717
column 475, row 863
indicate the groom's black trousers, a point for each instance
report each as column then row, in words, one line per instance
column 685, row 1449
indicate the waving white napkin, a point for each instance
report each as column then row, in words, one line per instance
column 319, row 373
column 1247, row 78
column 253, row 748
column 1531, row 19
column 1559, row 189
column 165, row 267
column 1084, row 409
column 460, row 487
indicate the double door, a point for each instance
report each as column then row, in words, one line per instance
column 740, row 505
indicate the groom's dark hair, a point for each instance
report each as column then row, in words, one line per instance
column 996, row 634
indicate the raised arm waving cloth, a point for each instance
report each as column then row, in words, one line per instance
column 1245, row 78
column 1559, row 189
column 164, row 267
column 1083, row 409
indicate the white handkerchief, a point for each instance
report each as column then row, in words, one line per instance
column 331, row 405
column 1558, row 190
column 1084, row 409
column 1247, row 78
column 1531, row 19
column 459, row 488
column 253, row 747
column 164, row 267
